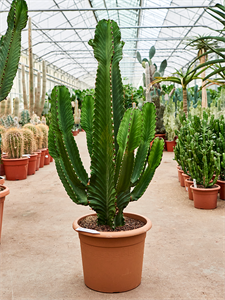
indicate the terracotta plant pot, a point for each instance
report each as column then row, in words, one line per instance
column 2, row 169
column 161, row 136
column 2, row 180
column 38, row 152
column 205, row 198
column 15, row 168
column 75, row 132
column 221, row 183
column 188, row 183
column 112, row 261
column 47, row 158
column 180, row 172
column 185, row 176
column 32, row 164
column 178, row 168
column 42, row 160
column 4, row 191
column 51, row 158
column 170, row 145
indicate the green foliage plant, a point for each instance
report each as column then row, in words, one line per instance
column 10, row 45
column 118, row 176
column 13, row 143
column 169, row 120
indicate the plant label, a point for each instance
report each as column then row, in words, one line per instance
column 194, row 181
column 87, row 230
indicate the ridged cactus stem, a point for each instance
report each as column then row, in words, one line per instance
column 119, row 174
column 16, row 107
column 10, row 45
column 13, row 143
column 3, row 107
column 147, row 79
column 29, row 141
column 25, row 103
column 37, row 94
column 42, row 103
column 8, row 106
column 31, row 68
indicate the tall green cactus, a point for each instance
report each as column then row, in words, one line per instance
column 118, row 176
column 10, row 45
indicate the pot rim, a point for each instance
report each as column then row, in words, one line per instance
column 5, row 192
column 220, row 181
column 117, row 234
column 13, row 159
column 205, row 189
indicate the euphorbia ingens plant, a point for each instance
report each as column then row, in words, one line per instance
column 118, row 176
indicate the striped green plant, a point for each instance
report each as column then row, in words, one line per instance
column 122, row 163
column 10, row 46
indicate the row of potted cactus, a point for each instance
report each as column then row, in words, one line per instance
column 200, row 153
column 25, row 150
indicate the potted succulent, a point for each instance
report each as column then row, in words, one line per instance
column 118, row 176
column 205, row 163
column 29, row 146
column 16, row 166
column 44, row 129
column 170, row 125
column 37, row 142
column 219, row 129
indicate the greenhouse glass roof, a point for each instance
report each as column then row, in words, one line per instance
column 61, row 30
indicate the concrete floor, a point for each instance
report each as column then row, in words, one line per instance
column 40, row 252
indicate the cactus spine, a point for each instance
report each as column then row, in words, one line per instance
column 13, row 143
column 31, row 74
column 24, row 88
column 112, row 137
column 24, row 117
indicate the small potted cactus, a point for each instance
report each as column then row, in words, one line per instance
column 29, row 147
column 119, row 174
column 15, row 164
column 44, row 129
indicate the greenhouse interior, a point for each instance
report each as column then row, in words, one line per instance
column 103, row 103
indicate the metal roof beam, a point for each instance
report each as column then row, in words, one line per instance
column 116, row 8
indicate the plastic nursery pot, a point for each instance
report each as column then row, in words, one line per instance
column 112, row 261
column 185, row 176
column 2, row 180
column 32, row 164
column 221, row 183
column 161, row 136
column 15, row 168
column 38, row 152
column 42, row 160
column 180, row 172
column 170, row 145
column 205, row 198
column 4, row 191
column 188, row 183
column 47, row 158
column 51, row 158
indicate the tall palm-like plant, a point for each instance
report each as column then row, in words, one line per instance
column 202, row 47
column 182, row 78
column 218, row 67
